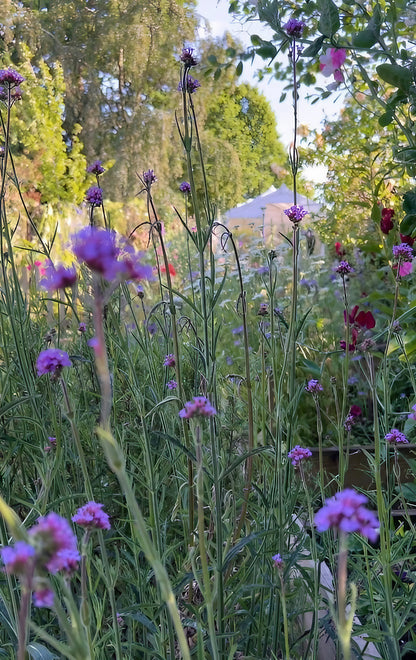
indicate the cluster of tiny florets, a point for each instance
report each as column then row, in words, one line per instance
column 91, row 516
column 185, row 187
column 346, row 513
column 294, row 28
column 187, row 57
column 94, row 196
column 344, row 268
column 395, row 437
column 191, row 85
column 403, row 252
column 298, row 454
column 199, row 407
column 96, row 168
column 295, row 213
column 314, row 386
column 52, row 361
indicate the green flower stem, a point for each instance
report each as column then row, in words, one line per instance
column 116, row 461
column 344, row 623
column 206, row 582
column 285, row 621
column 23, row 618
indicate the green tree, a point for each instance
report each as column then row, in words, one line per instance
column 243, row 118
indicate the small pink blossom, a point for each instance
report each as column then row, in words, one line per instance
column 43, row 598
column 345, row 512
column 199, row 407
column 91, row 516
column 18, row 558
column 298, row 454
column 330, row 63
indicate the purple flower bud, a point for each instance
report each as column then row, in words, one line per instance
column 149, row 178
column 172, row 384
column 314, row 386
column 344, row 268
column 185, row 187
column 188, row 58
column 169, row 360
column 191, row 85
column 94, row 196
column 278, row 561
column 96, row 168
column 294, row 28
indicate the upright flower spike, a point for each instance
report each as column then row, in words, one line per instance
column 278, row 561
column 344, row 268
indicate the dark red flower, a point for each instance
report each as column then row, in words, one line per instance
column 339, row 249
column 407, row 239
column 366, row 320
column 172, row 270
column 386, row 222
column 355, row 411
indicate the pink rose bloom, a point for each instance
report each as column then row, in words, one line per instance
column 405, row 268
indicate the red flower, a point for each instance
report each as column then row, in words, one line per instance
column 407, row 239
column 362, row 319
column 339, row 250
column 386, row 222
column 172, row 270
column 355, row 411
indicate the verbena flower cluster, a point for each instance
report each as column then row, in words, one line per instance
column 96, row 168
column 94, row 196
column 294, row 28
column 314, row 386
column 52, row 361
column 344, row 268
column 114, row 259
column 187, row 57
column 58, row 277
column 149, row 178
column 185, row 187
column 278, row 561
column 199, row 407
column 395, row 437
column 298, row 454
column 191, row 85
column 403, row 252
column 296, row 213
column 10, row 77
column 169, row 360
column 345, row 512
column 51, row 548
column 91, row 516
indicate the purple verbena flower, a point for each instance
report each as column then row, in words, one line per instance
column 191, row 85
column 314, row 386
column 43, row 597
column 149, row 178
column 412, row 415
column 172, row 384
column 82, row 327
column 295, row 213
column 169, row 360
column 187, row 57
column 277, row 561
column 92, row 516
column 96, row 168
column 294, row 28
column 58, row 277
column 298, row 454
column 395, row 437
column 344, row 268
column 10, row 77
column 52, row 361
column 403, row 252
column 94, row 196
column 18, row 558
column 345, row 512
column 185, row 187
column 199, row 407
column 97, row 248
column 55, row 543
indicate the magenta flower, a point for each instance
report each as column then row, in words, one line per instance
column 298, row 454
column 314, row 386
column 43, row 598
column 294, row 28
column 395, row 437
column 331, row 62
column 355, row 411
column 94, row 196
column 405, row 268
column 412, row 415
column 133, row 267
column 18, row 559
column 10, row 77
column 199, row 407
column 278, row 561
column 55, row 543
column 185, row 187
column 97, row 249
column 82, row 327
column 344, row 268
column 169, row 360
column 92, row 516
column 58, row 278
column 345, row 512
column 96, row 168
column 191, row 85
column 172, row 384
column 52, row 361
column 296, row 213
column 187, row 57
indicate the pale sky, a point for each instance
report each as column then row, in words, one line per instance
column 216, row 12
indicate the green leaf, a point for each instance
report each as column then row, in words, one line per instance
column 267, row 51
column 409, row 201
column 329, row 20
column 408, row 224
column 376, row 213
column 239, row 69
column 386, row 118
column 314, row 48
column 406, row 155
column 365, row 39
column 39, row 652
column 395, row 75
column 256, row 40
column 217, row 74
column 409, row 491
column 230, row 52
